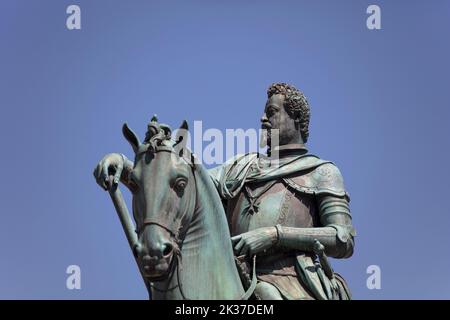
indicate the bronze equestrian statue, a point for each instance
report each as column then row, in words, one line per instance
column 290, row 211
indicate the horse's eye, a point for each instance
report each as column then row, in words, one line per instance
column 180, row 184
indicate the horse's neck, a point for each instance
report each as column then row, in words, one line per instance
column 208, row 267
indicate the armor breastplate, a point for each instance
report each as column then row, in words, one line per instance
column 268, row 203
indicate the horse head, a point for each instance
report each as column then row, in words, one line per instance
column 164, row 196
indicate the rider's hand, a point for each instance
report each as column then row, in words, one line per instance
column 255, row 241
column 111, row 164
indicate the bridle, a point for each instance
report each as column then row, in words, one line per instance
column 173, row 231
column 176, row 263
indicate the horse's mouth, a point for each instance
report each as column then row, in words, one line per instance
column 157, row 269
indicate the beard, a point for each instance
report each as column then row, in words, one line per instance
column 269, row 138
column 265, row 138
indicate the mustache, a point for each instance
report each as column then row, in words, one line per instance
column 266, row 125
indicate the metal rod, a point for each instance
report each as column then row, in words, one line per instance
column 127, row 225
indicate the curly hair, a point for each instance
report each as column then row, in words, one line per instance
column 295, row 103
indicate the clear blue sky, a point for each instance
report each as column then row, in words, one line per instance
column 380, row 111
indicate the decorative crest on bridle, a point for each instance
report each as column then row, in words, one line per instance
column 159, row 135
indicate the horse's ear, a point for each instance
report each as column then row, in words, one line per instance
column 131, row 137
column 184, row 125
column 182, row 137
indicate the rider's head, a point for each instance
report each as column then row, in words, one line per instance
column 288, row 111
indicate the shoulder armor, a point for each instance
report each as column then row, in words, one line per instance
column 324, row 179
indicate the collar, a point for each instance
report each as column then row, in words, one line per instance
column 289, row 149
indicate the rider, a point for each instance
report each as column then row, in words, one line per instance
column 291, row 210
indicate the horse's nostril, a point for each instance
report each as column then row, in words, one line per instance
column 167, row 249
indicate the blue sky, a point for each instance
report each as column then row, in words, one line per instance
column 379, row 104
